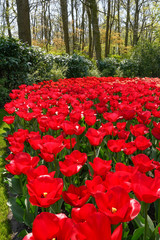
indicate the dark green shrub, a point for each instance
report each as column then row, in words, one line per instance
column 148, row 57
column 129, row 68
column 78, row 66
column 41, row 65
column 14, row 62
column 107, row 66
column 21, row 64
column 61, row 60
column 4, row 92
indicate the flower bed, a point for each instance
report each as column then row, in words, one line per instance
column 85, row 158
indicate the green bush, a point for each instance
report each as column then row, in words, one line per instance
column 78, row 66
column 57, row 72
column 129, row 68
column 148, row 57
column 21, row 64
column 14, row 62
column 4, row 92
column 94, row 72
column 61, row 60
column 107, row 66
column 41, row 65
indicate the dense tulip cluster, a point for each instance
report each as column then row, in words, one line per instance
column 86, row 154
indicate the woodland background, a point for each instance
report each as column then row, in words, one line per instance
column 95, row 28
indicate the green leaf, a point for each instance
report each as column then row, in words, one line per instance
column 137, row 233
column 150, row 223
column 90, row 168
column 139, row 220
column 28, row 219
column 17, row 211
column 155, row 233
column 125, row 230
column 22, row 234
column 16, row 186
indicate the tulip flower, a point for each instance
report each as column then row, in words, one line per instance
column 117, row 205
column 45, row 190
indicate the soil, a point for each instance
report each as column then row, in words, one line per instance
column 16, row 227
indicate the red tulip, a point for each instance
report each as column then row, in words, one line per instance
column 138, row 130
column 142, row 143
column 129, row 148
column 76, row 196
column 21, row 163
column 29, row 236
column 146, row 188
column 117, row 205
column 94, row 136
column 90, row 117
column 97, row 227
column 100, row 167
column 119, row 178
column 116, row 145
column 45, row 190
column 143, row 163
column 45, row 226
column 73, row 163
column 81, row 214
column 8, row 119
column 68, row 144
column 111, row 117
column 33, row 173
column 95, row 185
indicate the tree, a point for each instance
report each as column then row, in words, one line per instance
column 127, row 23
column 23, row 20
column 136, row 23
column 7, row 19
column 107, row 29
column 64, row 13
column 96, row 32
column 90, row 48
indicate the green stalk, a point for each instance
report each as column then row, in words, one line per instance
column 71, row 143
column 43, row 210
column 146, row 223
column 94, row 152
column 77, row 142
column 56, row 166
column 158, row 220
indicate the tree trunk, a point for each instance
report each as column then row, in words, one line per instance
column 136, row 20
column 107, row 29
column 118, row 10
column 64, row 13
column 77, row 27
column 73, row 30
column 49, row 24
column 96, row 32
column 7, row 19
column 127, row 23
column 82, row 27
column 90, row 50
column 23, row 19
column 34, row 31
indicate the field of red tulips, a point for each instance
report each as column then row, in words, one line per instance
column 85, row 159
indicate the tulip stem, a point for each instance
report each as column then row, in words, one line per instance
column 56, row 166
column 43, row 210
column 77, row 142
column 71, row 143
column 146, row 223
column 158, row 217
column 94, row 152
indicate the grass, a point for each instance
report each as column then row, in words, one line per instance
column 5, row 231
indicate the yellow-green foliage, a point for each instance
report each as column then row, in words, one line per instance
column 4, row 224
